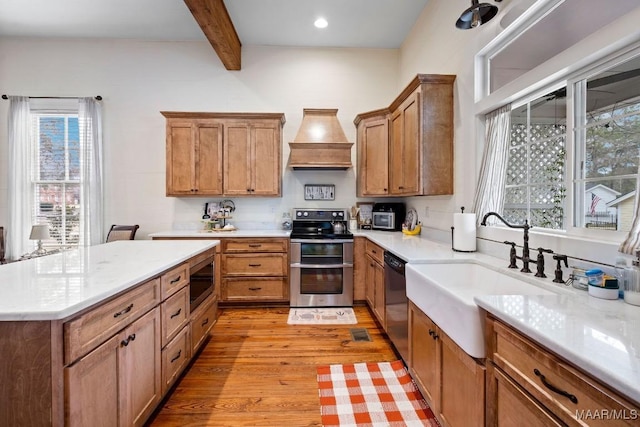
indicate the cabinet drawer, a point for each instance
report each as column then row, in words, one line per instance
column 175, row 314
column 254, row 289
column 92, row 328
column 253, row 245
column 255, row 265
column 173, row 280
column 374, row 251
column 557, row 385
column 175, row 357
column 202, row 321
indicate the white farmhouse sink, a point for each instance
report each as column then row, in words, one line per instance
column 445, row 292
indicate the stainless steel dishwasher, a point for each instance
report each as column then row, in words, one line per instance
column 396, row 303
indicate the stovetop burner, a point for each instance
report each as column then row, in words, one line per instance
column 318, row 224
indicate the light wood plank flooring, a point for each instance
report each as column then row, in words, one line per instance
column 256, row 370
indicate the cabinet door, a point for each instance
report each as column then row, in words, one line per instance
column 405, row 173
column 237, row 158
column 180, row 158
column 370, row 286
column 424, row 355
column 91, row 387
column 463, row 380
column 373, row 163
column 266, row 159
column 140, row 369
column 379, row 294
column 208, row 158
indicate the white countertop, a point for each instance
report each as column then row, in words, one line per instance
column 60, row 285
column 600, row 336
column 218, row 234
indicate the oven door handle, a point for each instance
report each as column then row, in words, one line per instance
column 320, row 266
column 321, row 240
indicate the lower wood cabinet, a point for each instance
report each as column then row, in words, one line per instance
column 525, row 379
column 374, row 281
column 175, row 357
column 452, row 382
column 255, row 270
column 118, row 383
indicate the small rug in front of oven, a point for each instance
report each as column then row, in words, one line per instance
column 322, row 316
column 371, row 394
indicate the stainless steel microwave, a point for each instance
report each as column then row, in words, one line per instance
column 384, row 220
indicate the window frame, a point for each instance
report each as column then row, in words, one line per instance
column 36, row 214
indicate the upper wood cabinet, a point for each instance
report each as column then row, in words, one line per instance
column 373, row 154
column 252, row 158
column 415, row 135
column 230, row 154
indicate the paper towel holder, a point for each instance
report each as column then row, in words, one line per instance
column 452, row 231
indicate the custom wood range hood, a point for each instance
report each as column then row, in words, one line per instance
column 320, row 142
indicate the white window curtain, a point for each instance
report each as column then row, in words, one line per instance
column 489, row 195
column 631, row 243
column 20, row 189
column 91, row 213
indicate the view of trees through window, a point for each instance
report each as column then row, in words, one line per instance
column 607, row 142
column 56, row 177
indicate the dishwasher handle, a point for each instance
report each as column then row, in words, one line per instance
column 394, row 262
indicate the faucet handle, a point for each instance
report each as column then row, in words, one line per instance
column 549, row 251
column 512, row 254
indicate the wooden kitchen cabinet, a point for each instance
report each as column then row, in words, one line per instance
column 419, row 142
column 525, row 378
column 252, row 158
column 445, row 374
column 255, row 270
column 119, row 382
column 374, row 281
column 373, row 154
column 230, row 154
column 194, row 157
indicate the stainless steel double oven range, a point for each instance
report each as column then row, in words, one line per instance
column 321, row 272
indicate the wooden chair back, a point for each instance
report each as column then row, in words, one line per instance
column 122, row 232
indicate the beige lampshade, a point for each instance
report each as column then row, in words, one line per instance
column 39, row 232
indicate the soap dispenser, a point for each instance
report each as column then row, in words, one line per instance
column 632, row 284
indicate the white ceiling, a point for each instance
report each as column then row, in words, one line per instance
column 352, row 23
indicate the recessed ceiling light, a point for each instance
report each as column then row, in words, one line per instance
column 321, row 23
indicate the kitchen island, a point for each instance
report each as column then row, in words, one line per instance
column 98, row 333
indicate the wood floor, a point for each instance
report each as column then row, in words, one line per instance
column 256, row 370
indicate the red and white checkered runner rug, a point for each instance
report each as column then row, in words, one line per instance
column 371, row 394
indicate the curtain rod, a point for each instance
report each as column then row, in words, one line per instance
column 98, row 97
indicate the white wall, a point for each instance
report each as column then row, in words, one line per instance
column 137, row 80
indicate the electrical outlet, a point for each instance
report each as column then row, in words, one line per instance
column 426, row 211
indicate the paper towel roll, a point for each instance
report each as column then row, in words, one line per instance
column 464, row 232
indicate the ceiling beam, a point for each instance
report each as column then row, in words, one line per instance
column 214, row 20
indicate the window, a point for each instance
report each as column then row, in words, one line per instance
column 535, row 181
column 56, row 175
column 607, row 135
column 605, row 141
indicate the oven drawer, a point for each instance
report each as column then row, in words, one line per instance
column 255, row 245
column 255, row 265
column 254, row 289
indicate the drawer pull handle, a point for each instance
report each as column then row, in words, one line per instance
column 177, row 356
column 433, row 334
column 255, row 245
column 177, row 313
column 125, row 311
column 205, row 321
column 125, row 342
column 176, row 280
column 254, row 289
column 555, row 389
column 255, row 265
